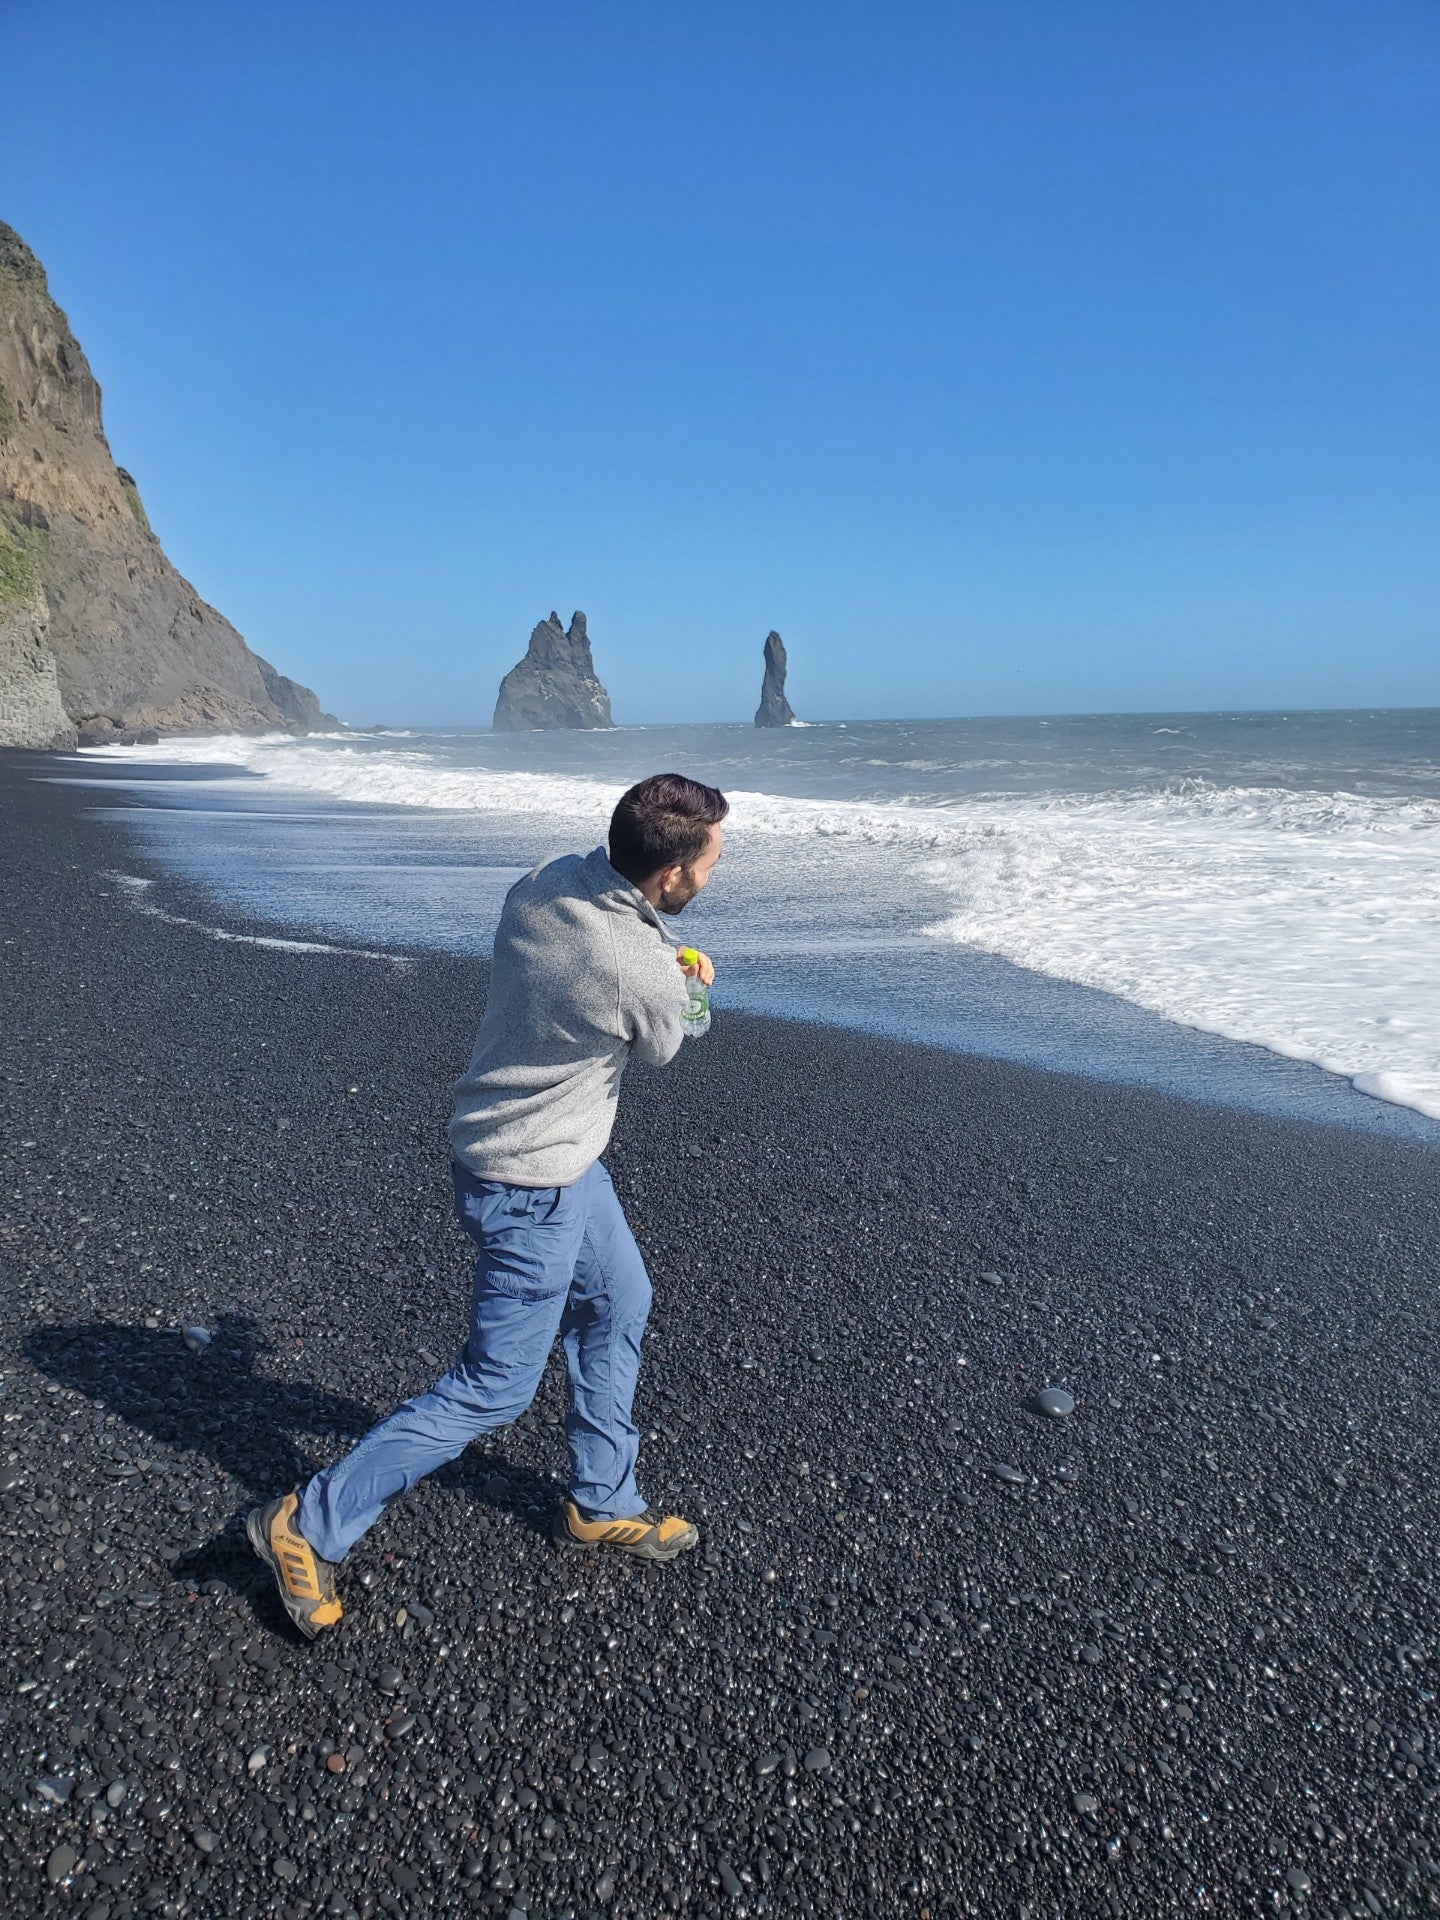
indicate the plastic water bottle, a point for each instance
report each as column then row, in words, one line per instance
column 696, row 1017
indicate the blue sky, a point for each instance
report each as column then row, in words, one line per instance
column 1017, row 356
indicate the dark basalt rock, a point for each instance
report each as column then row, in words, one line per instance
column 774, row 709
column 555, row 685
column 1054, row 1403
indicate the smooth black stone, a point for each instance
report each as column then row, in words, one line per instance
column 61, row 1864
column 1055, row 1403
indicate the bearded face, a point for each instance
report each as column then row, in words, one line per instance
column 676, row 898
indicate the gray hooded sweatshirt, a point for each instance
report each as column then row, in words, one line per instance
column 583, row 975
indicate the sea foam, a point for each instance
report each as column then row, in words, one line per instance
column 1303, row 921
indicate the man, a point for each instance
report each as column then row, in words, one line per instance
column 583, row 976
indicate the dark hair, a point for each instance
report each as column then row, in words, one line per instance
column 664, row 821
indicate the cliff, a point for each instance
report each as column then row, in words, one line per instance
column 555, row 684
column 89, row 604
column 774, row 708
column 31, row 711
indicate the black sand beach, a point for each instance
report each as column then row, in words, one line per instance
column 938, row 1655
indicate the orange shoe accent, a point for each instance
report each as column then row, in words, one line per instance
column 650, row 1535
column 305, row 1581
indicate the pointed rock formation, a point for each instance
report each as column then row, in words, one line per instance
column 774, row 708
column 555, row 684
column 88, row 600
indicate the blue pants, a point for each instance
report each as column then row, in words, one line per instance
column 551, row 1260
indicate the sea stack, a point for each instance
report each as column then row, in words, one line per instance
column 100, row 638
column 774, row 708
column 555, row 684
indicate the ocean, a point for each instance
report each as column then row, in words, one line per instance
column 1235, row 906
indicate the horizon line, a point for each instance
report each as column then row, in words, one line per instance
column 865, row 720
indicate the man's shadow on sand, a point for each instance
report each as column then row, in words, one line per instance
column 212, row 1403
column 216, row 1405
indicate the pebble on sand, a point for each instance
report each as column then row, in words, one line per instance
column 1055, row 1403
column 61, row 1864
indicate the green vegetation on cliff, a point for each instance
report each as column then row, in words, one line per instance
column 132, row 496
column 18, row 578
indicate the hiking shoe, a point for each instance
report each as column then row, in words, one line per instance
column 306, row 1582
column 650, row 1535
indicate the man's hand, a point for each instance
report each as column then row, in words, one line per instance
column 701, row 964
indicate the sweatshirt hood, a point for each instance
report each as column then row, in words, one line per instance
column 611, row 890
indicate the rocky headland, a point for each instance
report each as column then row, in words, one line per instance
column 774, row 709
column 100, row 637
column 555, row 685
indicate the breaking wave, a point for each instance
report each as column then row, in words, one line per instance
column 1303, row 921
